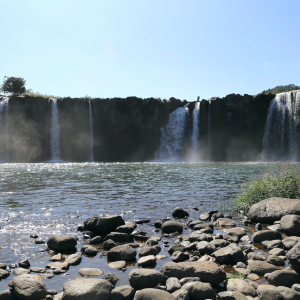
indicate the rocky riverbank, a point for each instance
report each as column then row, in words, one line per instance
column 211, row 257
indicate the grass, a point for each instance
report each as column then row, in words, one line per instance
column 237, row 275
column 284, row 182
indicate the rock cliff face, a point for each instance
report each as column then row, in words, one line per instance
column 129, row 129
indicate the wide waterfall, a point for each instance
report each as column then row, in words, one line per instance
column 196, row 128
column 91, row 133
column 282, row 133
column 172, row 136
column 4, row 102
column 55, row 132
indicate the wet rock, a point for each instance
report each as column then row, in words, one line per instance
column 176, row 248
column 152, row 294
column 205, row 226
column 253, row 277
column 87, row 288
column 219, row 243
column 59, row 265
column 3, row 274
column 108, row 244
column 272, row 244
column 123, row 252
column 288, row 293
column 124, row 292
column 242, row 286
column 8, row 295
column 173, row 284
column 118, row 265
column 270, row 210
column 74, row 259
column 89, row 250
column 256, row 256
column 199, row 290
column 204, row 217
column 112, row 278
column 229, row 255
column 225, row 222
column 188, row 279
column 145, row 278
column 178, row 270
column 96, row 240
column 205, row 248
column 142, row 221
column 296, row 287
column 231, row 237
column 191, row 246
column 277, row 251
column 178, row 256
column 260, row 267
column 293, row 256
column 290, row 242
column 290, row 224
column 172, row 226
column 58, row 271
column 216, row 216
column 158, row 224
column 275, row 260
column 40, row 242
column 103, row 225
column 266, row 292
column 141, row 236
column 61, row 243
column 58, row 296
column 258, row 226
column 24, row 264
column 89, row 272
column 119, row 237
column 20, row 271
column 180, row 213
column 181, row 294
column 148, row 260
column 194, row 223
column 266, row 235
column 37, row 270
column 197, row 236
column 147, row 250
column 56, row 257
column 29, row 287
column 231, row 296
column 285, row 277
column 239, row 231
column 3, row 266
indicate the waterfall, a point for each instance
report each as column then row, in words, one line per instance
column 55, row 132
column 172, row 136
column 4, row 103
column 281, row 140
column 91, row 134
column 196, row 128
column 209, row 131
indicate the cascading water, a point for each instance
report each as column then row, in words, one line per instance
column 55, row 132
column 4, row 128
column 209, row 130
column 282, row 133
column 91, row 134
column 196, row 128
column 172, row 136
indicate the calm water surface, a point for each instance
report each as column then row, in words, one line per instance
column 49, row 199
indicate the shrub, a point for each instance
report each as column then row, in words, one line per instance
column 284, row 183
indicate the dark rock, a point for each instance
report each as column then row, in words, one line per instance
column 173, row 284
column 141, row 236
column 142, row 221
column 74, row 259
column 108, row 244
column 275, row 260
column 266, row 235
column 127, row 228
column 96, row 240
column 270, row 210
column 89, row 250
column 152, row 294
column 216, row 216
column 103, row 225
column 119, row 237
column 199, row 290
column 260, row 267
column 188, row 279
column 124, row 292
column 178, row 270
column 3, row 266
column 205, row 248
column 219, row 243
column 147, row 250
column 290, row 224
column 61, row 243
column 178, row 256
column 239, row 231
column 176, row 247
column 197, row 236
column 112, row 278
column 293, row 256
column 172, row 226
column 146, row 261
column 180, row 213
column 231, row 237
column 285, row 277
column 290, row 242
column 24, row 264
column 192, row 224
column 158, row 224
column 145, row 278
column 268, row 292
column 4, row 274
column 8, row 295
column 123, row 252
column 200, row 226
column 229, row 255
column 258, row 226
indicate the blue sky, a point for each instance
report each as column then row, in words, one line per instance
column 150, row 48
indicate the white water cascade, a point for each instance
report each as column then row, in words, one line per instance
column 282, row 133
column 4, row 102
column 91, row 134
column 196, row 128
column 172, row 136
column 55, row 132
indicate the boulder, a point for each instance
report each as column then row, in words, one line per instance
column 181, row 294
column 203, row 226
column 225, row 222
column 123, row 252
column 171, row 226
column 272, row 244
column 230, row 255
column 239, row 231
column 8, row 295
column 268, row 292
column 118, row 265
column 180, row 213
column 173, row 284
column 285, row 277
column 153, row 294
column 231, row 296
column 231, row 237
column 276, row 260
column 29, row 287
column 103, row 225
column 205, row 248
column 266, row 235
column 277, row 251
column 147, row 261
column 293, row 256
column 290, row 224
column 147, row 250
column 89, row 250
column 119, row 237
column 124, row 292
column 96, row 240
column 112, row 278
column 260, row 267
column 290, row 242
column 90, row 272
column 287, row 293
column 108, row 244
column 178, row 270
column 270, row 210
column 178, row 256
column 256, row 256
column 199, row 290
column 61, row 243
column 176, row 248
column 87, row 288
column 4, row 274
column 127, row 228
column 242, row 286
column 74, row 259
column 198, row 236
column 145, row 278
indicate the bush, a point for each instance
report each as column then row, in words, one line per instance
column 284, row 183
column 14, row 86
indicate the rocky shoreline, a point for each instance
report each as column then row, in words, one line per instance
column 213, row 257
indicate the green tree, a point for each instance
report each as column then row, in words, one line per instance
column 14, row 86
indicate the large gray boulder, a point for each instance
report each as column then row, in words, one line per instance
column 153, row 294
column 230, row 255
column 87, row 288
column 199, row 290
column 260, row 267
column 266, row 235
column 127, row 228
column 119, row 237
column 124, row 292
column 290, row 242
column 8, row 295
column 178, row 270
column 123, row 252
column 285, row 277
column 61, row 243
column 290, row 225
column 29, row 287
column 242, row 286
column 145, row 278
column 171, row 226
column 293, row 256
column 270, row 210
column 287, row 293
column 103, row 225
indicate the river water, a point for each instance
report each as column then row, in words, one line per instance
column 54, row 198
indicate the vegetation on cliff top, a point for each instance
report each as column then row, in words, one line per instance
column 282, row 182
column 281, row 89
column 14, row 86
